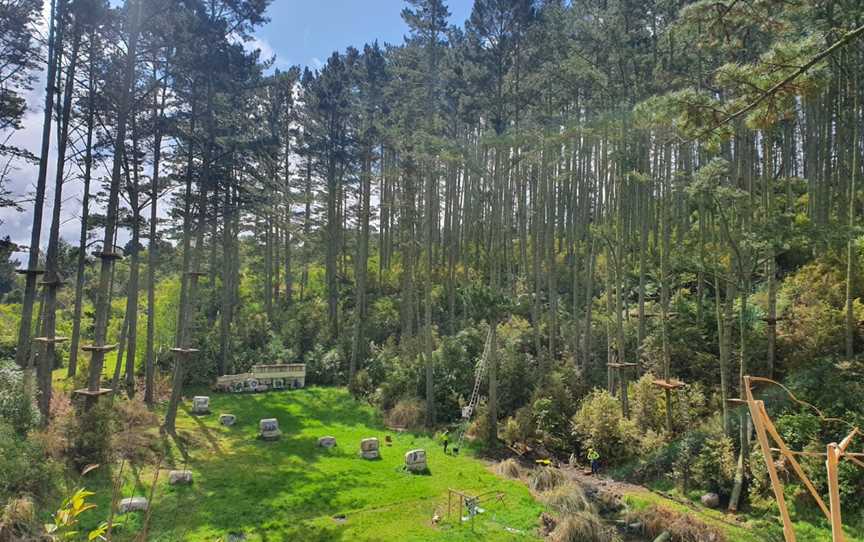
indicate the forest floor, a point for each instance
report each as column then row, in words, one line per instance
column 291, row 489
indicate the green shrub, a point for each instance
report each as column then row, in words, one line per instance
column 519, row 428
column 646, row 405
column 90, row 436
column 552, row 408
column 325, row 367
column 24, row 468
column 714, row 468
column 798, row 429
column 16, row 408
column 600, row 425
column 361, row 386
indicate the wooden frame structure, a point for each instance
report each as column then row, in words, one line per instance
column 453, row 495
column 834, row 453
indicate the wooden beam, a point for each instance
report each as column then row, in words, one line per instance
column 789, row 455
column 854, row 460
column 847, row 455
column 776, row 485
column 846, row 441
column 831, row 463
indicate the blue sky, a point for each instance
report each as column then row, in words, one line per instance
column 306, row 32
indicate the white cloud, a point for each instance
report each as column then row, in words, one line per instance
column 267, row 52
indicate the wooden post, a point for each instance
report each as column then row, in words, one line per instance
column 831, row 461
column 755, row 408
column 449, row 498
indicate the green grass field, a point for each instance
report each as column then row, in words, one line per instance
column 291, row 489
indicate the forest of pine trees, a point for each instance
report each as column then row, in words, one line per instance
column 639, row 202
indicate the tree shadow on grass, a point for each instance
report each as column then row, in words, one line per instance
column 296, row 409
column 277, row 490
column 275, row 499
column 206, row 432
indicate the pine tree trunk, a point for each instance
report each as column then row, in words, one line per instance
column 851, row 253
column 52, row 279
column 85, row 212
column 153, row 249
column 358, row 339
column 492, row 363
column 132, row 286
column 55, row 40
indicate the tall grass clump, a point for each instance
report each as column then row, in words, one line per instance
column 583, row 527
column 509, row 468
column 545, row 478
column 567, row 498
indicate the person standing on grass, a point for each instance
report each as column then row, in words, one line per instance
column 594, row 458
column 445, row 442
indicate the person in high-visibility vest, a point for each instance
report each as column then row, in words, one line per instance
column 594, row 458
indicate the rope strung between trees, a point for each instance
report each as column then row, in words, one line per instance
column 805, row 403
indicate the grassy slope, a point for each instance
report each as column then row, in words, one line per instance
column 290, row 489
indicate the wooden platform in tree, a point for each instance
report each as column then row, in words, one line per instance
column 99, row 347
column 772, row 321
column 653, row 314
column 89, row 393
column 670, row 384
column 52, row 282
column 29, row 271
column 108, row 255
column 50, row 339
column 736, row 402
column 185, row 351
column 621, row 365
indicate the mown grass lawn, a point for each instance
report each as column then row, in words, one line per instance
column 291, row 489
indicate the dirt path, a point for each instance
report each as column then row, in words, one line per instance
column 599, row 483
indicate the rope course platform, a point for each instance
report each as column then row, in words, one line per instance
column 30, row 271
column 99, row 347
column 108, row 255
column 621, row 365
column 93, row 393
column 46, row 340
column 670, row 384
